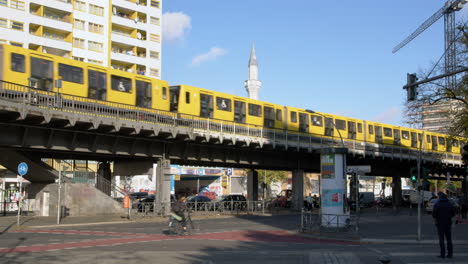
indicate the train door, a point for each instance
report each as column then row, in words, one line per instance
column 268, row 117
column 239, row 112
column 434, row 143
column 378, row 135
column 396, row 137
column 42, row 74
column 329, row 127
column 303, row 123
column 97, row 85
column 414, row 140
column 442, row 144
column 143, row 94
column 174, row 98
column 351, row 130
column 206, row 105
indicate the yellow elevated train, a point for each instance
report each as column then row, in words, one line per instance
column 41, row 71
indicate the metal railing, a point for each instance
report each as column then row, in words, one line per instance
column 99, row 109
column 318, row 222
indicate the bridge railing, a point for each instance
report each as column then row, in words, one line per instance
column 89, row 107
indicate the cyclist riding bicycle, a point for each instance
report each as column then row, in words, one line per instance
column 178, row 212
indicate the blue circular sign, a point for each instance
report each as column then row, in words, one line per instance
column 22, row 168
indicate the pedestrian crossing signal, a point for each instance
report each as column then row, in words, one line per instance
column 413, row 178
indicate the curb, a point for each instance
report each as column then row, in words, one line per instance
column 408, row 241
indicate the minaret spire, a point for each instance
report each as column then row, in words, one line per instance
column 253, row 85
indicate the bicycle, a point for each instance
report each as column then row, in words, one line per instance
column 177, row 224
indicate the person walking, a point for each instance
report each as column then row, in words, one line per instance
column 443, row 212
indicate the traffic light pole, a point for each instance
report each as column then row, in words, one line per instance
column 419, row 187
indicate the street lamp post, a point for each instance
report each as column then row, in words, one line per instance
column 333, row 123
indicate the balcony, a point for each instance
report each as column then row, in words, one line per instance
column 53, row 21
column 137, row 5
column 124, row 39
column 50, row 42
column 128, row 57
column 64, row 5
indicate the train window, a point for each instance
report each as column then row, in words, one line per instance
column 340, row 124
column 164, row 93
column 71, row 73
column 187, row 97
column 455, row 143
column 414, row 139
column 441, row 141
column 387, row 132
column 223, row 104
column 97, row 85
column 121, row 84
column 255, row 110
column 317, row 120
column 428, row 139
column 41, row 69
column 419, row 136
column 17, row 62
column 405, row 134
column 279, row 115
column 434, row 143
column 293, row 116
column 239, row 112
column 359, row 128
column 371, row 129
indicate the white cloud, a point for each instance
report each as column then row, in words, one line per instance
column 388, row 116
column 175, row 25
column 211, row 55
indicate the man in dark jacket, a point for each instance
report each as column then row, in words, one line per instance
column 442, row 213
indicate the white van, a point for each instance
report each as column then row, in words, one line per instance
column 426, row 196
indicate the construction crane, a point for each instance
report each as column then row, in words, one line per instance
column 448, row 11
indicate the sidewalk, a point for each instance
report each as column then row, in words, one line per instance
column 389, row 227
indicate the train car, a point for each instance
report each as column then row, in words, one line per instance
column 41, row 71
column 205, row 103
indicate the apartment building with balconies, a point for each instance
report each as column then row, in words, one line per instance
column 123, row 34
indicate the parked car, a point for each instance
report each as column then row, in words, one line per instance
column 229, row 202
column 138, row 195
column 147, row 204
column 198, row 203
column 431, row 203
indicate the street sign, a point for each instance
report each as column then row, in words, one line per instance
column 229, row 172
column 22, row 168
column 359, row 168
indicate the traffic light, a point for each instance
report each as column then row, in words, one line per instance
column 414, row 174
column 411, row 78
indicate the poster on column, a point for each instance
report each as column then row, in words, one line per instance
column 332, row 198
column 327, row 166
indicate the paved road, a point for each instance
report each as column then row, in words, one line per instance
column 242, row 239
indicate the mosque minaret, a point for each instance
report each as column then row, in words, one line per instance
column 253, row 85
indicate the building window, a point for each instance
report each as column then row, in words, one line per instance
column 79, row 5
column 3, row 41
column 16, row 44
column 95, row 46
column 3, row 22
column 3, row 2
column 17, row 4
column 78, row 43
column 155, row 3
column 78, row 58
column 154, row 72
column 155, row 21
column 96, row 28
column 17, row 25
column 96, row 10
column 155, row 38
column 95, row 62
column 154, row 55
column 79, row 24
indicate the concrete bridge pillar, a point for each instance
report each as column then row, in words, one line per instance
column 163, row 185
column 333, row 187
column 297, row 199
column 252, row 185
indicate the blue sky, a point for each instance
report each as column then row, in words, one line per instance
column 329, row 56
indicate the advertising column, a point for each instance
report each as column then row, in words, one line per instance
column 333, row 187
